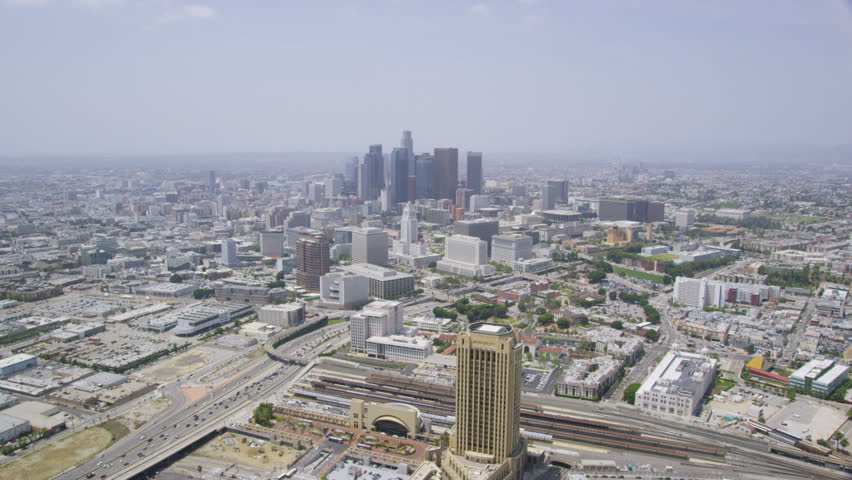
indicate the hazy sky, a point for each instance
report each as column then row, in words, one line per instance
column 166, row 76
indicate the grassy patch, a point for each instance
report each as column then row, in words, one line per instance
column 116, row 428
column 664, row 257
column 335, row 321
column 54, row 459
column 654, row 277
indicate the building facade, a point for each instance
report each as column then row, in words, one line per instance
column 312, row 252
column 370, row 245
column 344, row 289
column 487, row 434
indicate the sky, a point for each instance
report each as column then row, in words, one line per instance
column 550, row 76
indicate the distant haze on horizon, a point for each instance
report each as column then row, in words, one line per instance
column 137, row 77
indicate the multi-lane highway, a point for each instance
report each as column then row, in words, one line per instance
column 173, row 427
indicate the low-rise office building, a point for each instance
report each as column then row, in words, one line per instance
column 284, row 315
column 16, row 363
column 384, row 282
column 589, row 378
column 819, row 377
column 399, row 348
column 678, row 384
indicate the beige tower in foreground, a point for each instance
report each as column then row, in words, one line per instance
column 486, row 443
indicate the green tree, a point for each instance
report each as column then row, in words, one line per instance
column 553, row 303
column 602, row 291
column 596, row 276
column 652, row 335
column 280, row 275
column 613, row 295
column 433, row 265
column 175, row 278
column 218, row 331
column 630, row 393
column 263, row 415
column 563, row 323
column 618, row 325
column 545, row 319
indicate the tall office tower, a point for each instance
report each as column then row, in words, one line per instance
column 424, row 171
column 371, row 174
column 370, row 245
column 229, row 252
column 316, row 192
column 350, row 168
column 212, row 184
column 553, row 192
column 408, row 144
column 474, row 172
column 313, row 262
column 334, row 186
column 480, row 228
column 488, row 405
column 463, row 197
column 272, row 243
column 377, row 319
column 408, row 227
column 548, row 196
column 398, row 178
column 446, row 173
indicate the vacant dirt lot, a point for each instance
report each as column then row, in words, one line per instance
column 62, row 455
column 253, row 453
column 172, row 368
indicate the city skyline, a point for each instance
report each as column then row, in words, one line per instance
column 534, row 76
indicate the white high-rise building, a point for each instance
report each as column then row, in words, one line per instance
column 510, row 248
column 378, row 319
column 467, row 256
column 370, row 245
column 316, row 192
column 229, row 252
column 408, row 249
column 408, row 226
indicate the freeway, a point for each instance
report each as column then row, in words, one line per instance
column 180, row 422
column 177, row 420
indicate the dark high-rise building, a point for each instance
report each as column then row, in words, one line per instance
column 554, row 191
column 480, row 228
column 424, row 171
column 613, row 209
column 474, row 172
column 656, row 212
column 212, row 185
column 446, row 173
column 412, row 187
column 398, row 177
column 312, row 253
column 371, row 174
column 407, row 143
column 463, row 197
